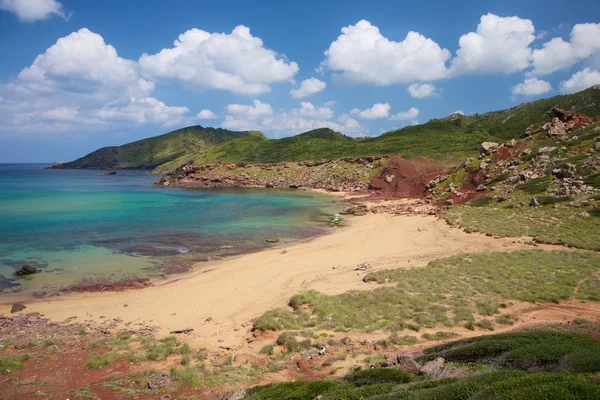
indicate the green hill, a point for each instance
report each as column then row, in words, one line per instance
column 452, row 138
column 155, row 151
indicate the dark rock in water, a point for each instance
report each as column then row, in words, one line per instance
column 272, row 240
column 110, row 173
column 17, row 307
column 26, row 270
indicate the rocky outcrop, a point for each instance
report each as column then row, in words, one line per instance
column 563, row 122
column 347, row 174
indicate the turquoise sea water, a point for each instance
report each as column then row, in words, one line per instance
column 81, row 227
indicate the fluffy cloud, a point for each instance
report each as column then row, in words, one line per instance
column 378, row 110
column 410, row 115
column 33, row 10
column 308, row 110
column 558, row 54
column 294, row 121
column 363, row 55
column 237, row 62
column 500, row 45
column 81, row 80
column 531, row 87
column 206, row 114
column 420, row 91
column 258, row 110
column 581, row 80
column 308, row 87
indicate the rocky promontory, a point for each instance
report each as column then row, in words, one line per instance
column 346, row 174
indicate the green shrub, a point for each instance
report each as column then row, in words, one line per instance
column 530, row 351
column 378, row 376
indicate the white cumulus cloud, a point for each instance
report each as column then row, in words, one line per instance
column 410, row 115
column 500, row 45
column 308, row 87
column 580, row 81
column 206, row 114
column 255, row 111
column 81, row 80
column 379, row 110
column 363, row 55
column 308, row 110
column 420, row 91
column 558, row 54
column 297, row 120
column 237, row 62
column 34, row 10
column 531, row 87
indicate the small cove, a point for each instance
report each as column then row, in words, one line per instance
column 80, row 227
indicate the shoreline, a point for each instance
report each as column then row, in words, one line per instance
column 219, row 300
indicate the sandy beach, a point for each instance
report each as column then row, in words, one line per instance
column 219, row 300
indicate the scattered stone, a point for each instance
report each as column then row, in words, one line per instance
column 17, row 307
column 534, row 202
column 178, row 331
column 363, row 267
column 272, row 240
column 481, row 188
column 158, row 380
column 449, row 202
column 488, row 148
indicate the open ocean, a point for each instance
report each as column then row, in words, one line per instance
column 81, row 227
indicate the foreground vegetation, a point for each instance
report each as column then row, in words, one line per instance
column 538, row 364
column 466, row 290
column 509, row 385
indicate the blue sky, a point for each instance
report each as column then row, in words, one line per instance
column 79, row 75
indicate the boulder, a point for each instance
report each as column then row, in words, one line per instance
column 433, row 368
column 239, row 394
column 26, row 270
column 488, row 148
column 481, row 188
column 404, row 362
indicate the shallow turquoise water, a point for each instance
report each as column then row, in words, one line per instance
column 82, row 227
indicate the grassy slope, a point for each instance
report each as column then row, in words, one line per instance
column 451, row 137
column 455, row 291
column 152, row 152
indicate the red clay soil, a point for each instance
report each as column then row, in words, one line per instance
column 402, row 178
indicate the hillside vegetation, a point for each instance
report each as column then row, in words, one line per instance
column 452, row 138
column 152, row 152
